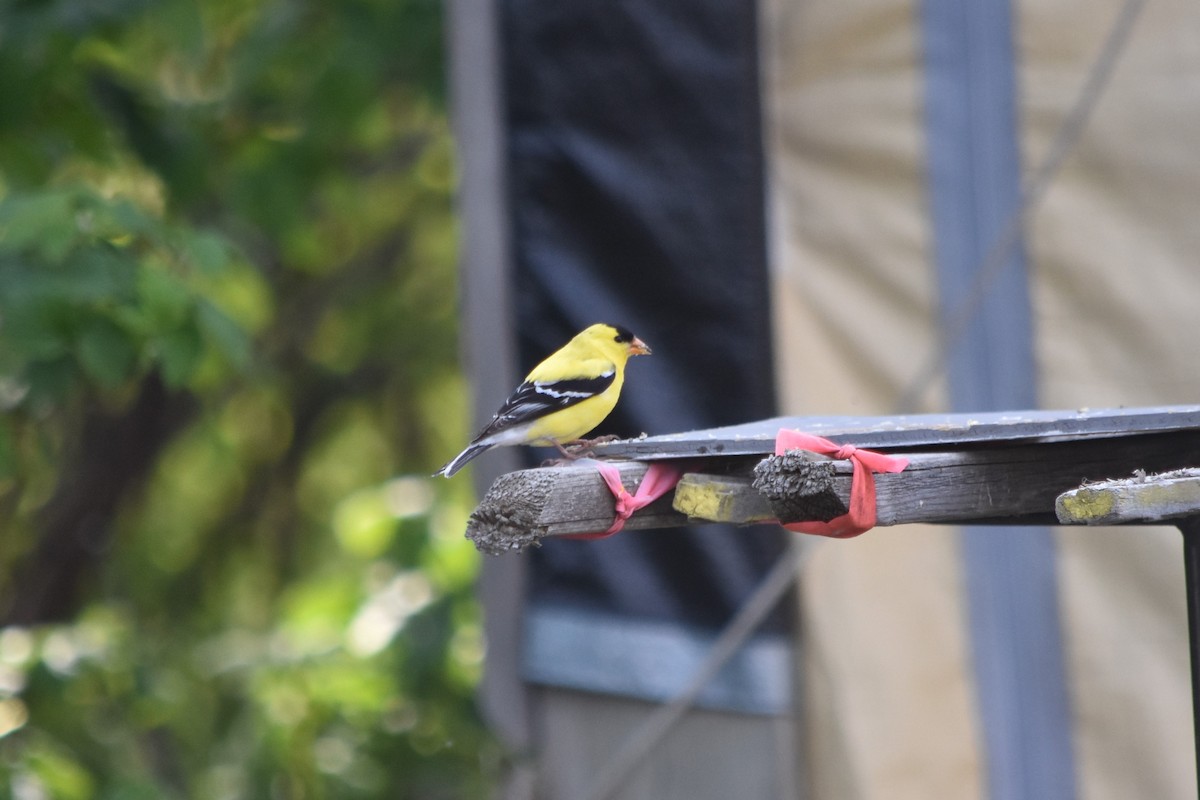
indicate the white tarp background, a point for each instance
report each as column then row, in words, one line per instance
column 1112, row 253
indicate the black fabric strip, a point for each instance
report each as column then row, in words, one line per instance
column 637, row 195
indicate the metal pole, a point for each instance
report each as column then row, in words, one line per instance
column 1190, row 528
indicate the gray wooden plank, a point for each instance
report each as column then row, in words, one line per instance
column 691, row 761
column 1140, row 498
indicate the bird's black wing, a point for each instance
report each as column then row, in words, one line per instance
column 535, row 399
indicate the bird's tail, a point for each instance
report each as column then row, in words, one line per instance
column 460, row 460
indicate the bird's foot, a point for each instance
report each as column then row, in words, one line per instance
column 577, row 449
column 581, row 448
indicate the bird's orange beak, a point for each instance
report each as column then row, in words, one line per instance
column 638, row 348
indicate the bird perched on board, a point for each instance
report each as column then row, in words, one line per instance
column 563, row 397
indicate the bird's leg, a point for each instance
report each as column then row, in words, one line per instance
column 567, row 454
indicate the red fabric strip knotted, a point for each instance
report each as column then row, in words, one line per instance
column 658, row 480
column 861, row 516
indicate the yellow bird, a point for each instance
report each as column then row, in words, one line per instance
column 563, row 397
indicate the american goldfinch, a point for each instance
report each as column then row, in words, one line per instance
column 563, row 397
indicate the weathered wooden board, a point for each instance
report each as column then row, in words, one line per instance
column 911, row 431
column 1006, row 482
column 1142, row 498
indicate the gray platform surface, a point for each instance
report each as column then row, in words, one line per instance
column 912, row 431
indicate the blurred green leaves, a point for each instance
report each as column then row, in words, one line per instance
column 227, row 363
column 95, row 293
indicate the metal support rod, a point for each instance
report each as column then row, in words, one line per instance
column 1190, row 528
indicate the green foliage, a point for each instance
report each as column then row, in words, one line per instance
column 227, row 363
column 95, row 293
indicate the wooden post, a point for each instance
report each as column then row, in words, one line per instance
column 1190, row 528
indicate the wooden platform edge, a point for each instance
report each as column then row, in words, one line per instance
column 521, row 508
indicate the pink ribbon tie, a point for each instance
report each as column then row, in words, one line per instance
column 658, row 480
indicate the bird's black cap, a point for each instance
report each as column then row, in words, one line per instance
column 624, row 335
